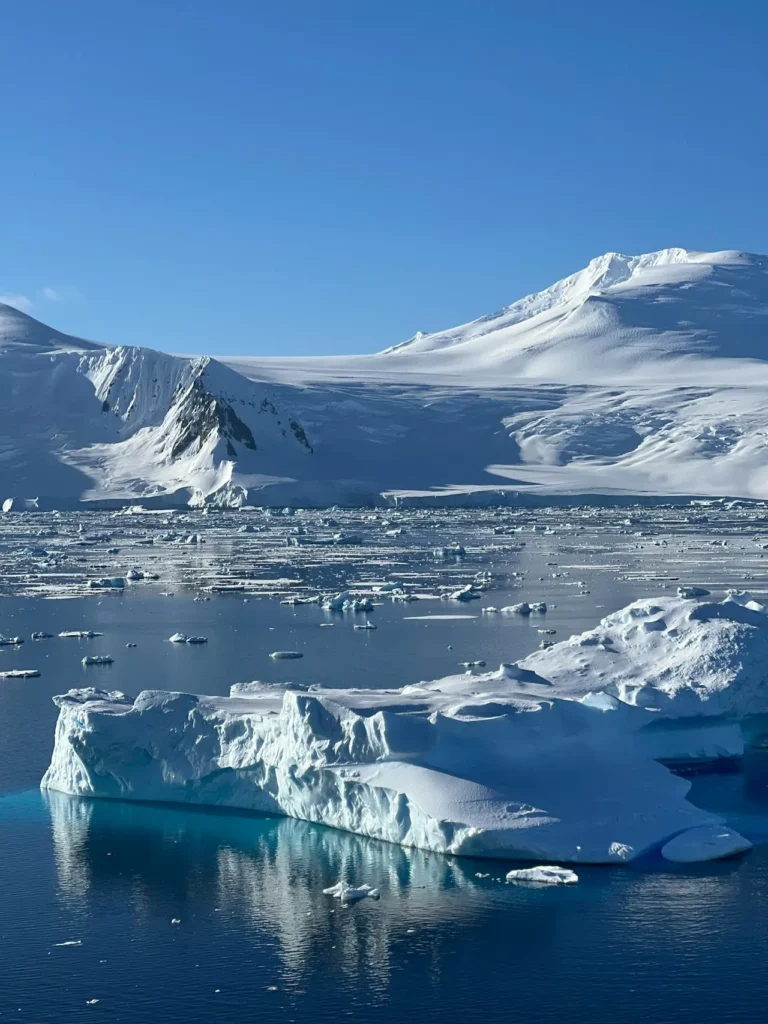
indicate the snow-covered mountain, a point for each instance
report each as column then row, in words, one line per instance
column 620, row 316
column 643, row 375
column 82, row 421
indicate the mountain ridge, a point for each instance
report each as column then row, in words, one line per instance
column 636, row 377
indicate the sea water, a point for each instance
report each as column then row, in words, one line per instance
column 139, row 913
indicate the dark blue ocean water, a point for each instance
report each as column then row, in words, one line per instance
column 257, row 939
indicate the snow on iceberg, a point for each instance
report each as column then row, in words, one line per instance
column 682, row 657
column 468, row 765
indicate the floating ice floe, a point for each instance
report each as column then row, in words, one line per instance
column 466, row 593
column 79, row 634
column 285, row 655
column 364, row 625
column 350, row 893
column 11, row 641
column 388, row 588
column 691, row 592
column 450, row 551
column 20, row 673
column 40, row 635
column 97, row 659
column 544, row 874
column 107, row 583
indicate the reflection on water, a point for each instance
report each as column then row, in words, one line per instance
column 257, row 938
column 265, row 874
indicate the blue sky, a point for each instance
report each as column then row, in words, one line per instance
column 329, row 176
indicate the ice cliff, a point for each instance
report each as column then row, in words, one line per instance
column 555, row 759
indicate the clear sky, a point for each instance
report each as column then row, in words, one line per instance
column 329, row 176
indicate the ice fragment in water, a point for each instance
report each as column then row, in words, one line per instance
column 544, row 874
column 351, row 894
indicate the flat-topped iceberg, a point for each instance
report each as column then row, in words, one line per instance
column 553, row 759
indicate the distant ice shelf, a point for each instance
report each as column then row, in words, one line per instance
column 556, row 759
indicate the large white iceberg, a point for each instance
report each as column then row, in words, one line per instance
column 503, row 764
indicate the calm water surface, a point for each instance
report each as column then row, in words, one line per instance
column 257, row 940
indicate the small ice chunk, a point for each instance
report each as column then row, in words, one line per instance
column 97, row 659
column 706, row 842
column 336, row 602
column 197, row 640
column 40, row 635
column 178, row 638
column 467, row 593
column 285, row 655
column 364, row 625
column 544, row 874
column 80, row 634
column 70, row 942
column 20, row 673
column 690, row 592
column 350, row 893
column 517, row 609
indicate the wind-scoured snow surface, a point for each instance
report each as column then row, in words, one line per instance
column 559, row 757
column 639, row 375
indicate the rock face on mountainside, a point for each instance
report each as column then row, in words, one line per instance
column 639, row 376
column 86, row 422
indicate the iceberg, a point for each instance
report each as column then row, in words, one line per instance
column 496, row 765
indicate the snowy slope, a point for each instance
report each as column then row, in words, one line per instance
column 696, row 317
column 622, row 317
column 80, row 421
column 643, row 375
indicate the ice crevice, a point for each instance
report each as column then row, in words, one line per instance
column 561, row 758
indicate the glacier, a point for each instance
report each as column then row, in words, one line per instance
column 564, row 757
column 638, row 376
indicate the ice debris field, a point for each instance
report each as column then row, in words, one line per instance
column 574, row 749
